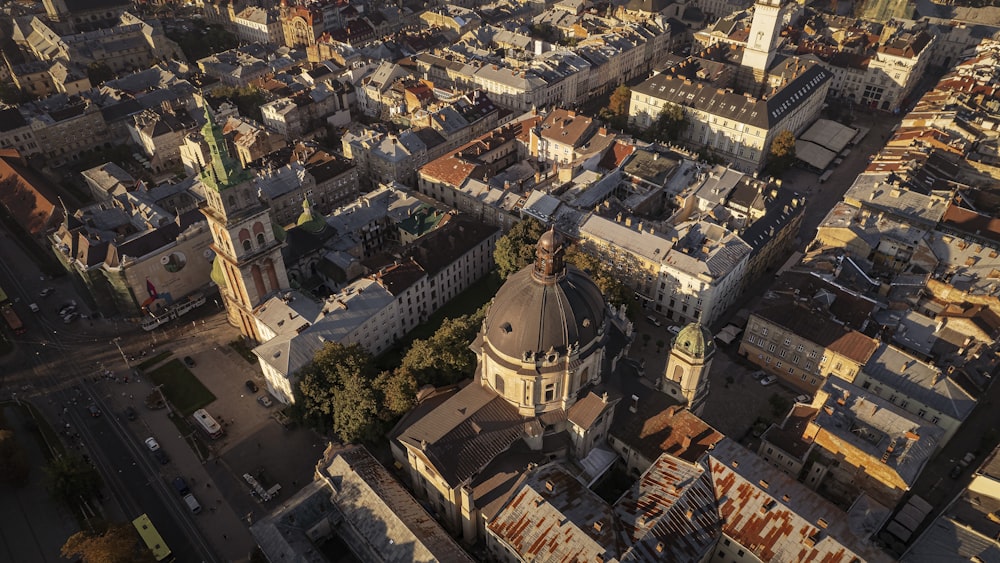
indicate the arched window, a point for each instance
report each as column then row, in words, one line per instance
column 232, row 201
column 260, row 239
column 244, row 237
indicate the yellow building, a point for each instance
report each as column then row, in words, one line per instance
column 803, row 346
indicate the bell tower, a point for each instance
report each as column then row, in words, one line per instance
column 686, row 375
column 764, row 34
column 243, row 235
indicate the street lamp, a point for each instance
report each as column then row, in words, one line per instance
column 124, row 357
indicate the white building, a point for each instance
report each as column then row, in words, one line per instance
column 258, row 25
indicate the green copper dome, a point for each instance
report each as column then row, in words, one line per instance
column 695, row 341
column 309, row 221
column 217, row 275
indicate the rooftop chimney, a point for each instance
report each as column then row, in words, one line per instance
column 634, row 407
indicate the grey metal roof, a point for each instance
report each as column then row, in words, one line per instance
column 920, row 381
column 530, row 316
column 871, row 425
column 729, row 105
column 465, row 433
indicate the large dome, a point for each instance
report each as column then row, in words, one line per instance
column 545, row 306
column 695, row 341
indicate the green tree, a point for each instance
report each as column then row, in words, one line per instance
column 70, row 479
column 619, row 101
column 117, row 544
column 355, row 413
column 399, row 390
column 14, row 467
column 670, row 124
column 445, row 357
column 332, row 367
column 782, row 153
column 613, row 289
column 516, row 249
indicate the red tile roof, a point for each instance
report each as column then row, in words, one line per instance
column 28, row 197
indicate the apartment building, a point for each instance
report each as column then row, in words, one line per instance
column 919, row 388
column 738, row 128
column 867, row 445
column 374, row 311
column 259, row 25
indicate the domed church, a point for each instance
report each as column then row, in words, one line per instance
column 545, row 335
column 547, row 345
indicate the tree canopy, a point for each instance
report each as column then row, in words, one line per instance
column 782, row 153
column 620, row 99
column 70, row 479
column 117, row 544
column 339, row 387
column 329, row 392
column 516, row 249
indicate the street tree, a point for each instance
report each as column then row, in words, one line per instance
column 613, row 289
column 619, row 101
column 782, row 153
column 670, row 124
column 69, row 479
column 331, row 368
column 516, row 249
column 399, row 391
column 445, row 357
column 355, row 410
column 117, row 544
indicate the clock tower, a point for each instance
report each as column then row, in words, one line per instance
column 248, row 253
column 764, row 34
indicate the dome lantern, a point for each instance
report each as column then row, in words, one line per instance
column 549, row 267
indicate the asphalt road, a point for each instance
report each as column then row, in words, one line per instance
column 54, row 365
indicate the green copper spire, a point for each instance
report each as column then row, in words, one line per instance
column 223, row 171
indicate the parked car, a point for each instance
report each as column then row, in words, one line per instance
column 189, row 361
column 130, row 413
column 803, row 399
column 674, row 329
column 71, row 317
column 152, row 444
column 94, row 411
column 265, row 401
column 34, row 307
column 192, row 503
column 46, row 292
column 181, row 486
column 251, row 386
column 757, row 375
column 769, row 380
column 161, row 456
column 956, row 471
column 66, row 307
column 654, row 320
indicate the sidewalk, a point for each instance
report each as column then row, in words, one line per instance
column 253, row 442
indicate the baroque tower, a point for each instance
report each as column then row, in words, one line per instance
column 248, row 253
column 686, row 375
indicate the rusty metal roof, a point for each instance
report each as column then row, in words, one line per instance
column 553, row 517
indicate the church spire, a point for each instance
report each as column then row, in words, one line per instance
column 223, row 170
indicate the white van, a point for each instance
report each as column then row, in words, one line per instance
column 192, row 503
